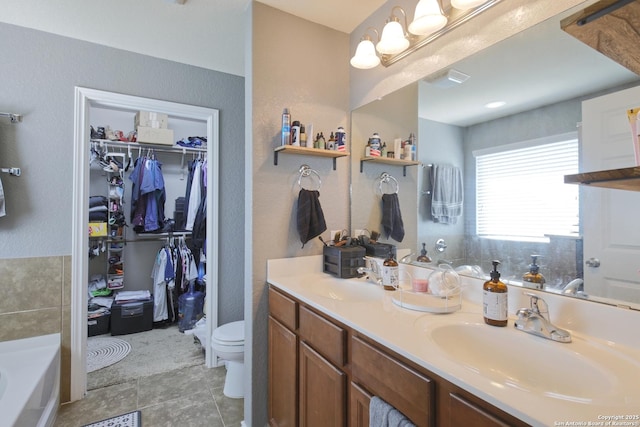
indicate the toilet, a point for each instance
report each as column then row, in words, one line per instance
column 227, row 341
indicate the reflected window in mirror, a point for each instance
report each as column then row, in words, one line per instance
column 520, row 190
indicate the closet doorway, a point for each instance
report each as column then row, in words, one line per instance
column 90, row 103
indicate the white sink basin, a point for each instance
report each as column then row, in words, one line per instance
column 579, row 371
column 347, row 290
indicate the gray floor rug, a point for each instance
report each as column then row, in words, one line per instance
column 105, row 351
column 152, row 352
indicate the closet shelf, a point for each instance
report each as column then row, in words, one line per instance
column 156, row 147
column 389, row 161
column 619, row 179
column 290, row 149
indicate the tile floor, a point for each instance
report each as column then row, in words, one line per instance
column 188, row 397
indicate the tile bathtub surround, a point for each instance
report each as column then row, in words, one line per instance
column 189, row 396
column 34, row 300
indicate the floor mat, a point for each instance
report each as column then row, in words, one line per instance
column 132, row 419
column 105, row 351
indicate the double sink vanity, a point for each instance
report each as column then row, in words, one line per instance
column 335, row 343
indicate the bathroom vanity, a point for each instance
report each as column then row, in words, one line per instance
column 335, row 343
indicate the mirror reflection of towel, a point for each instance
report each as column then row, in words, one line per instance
column 310, row 217
column 392, row 224
column 446, row 193
column 3, row 210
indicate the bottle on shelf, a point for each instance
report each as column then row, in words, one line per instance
column 286, row 127
column 295, row 133
column 533, row 278
column 390, row 273
column 495, row 299
column 374, row 143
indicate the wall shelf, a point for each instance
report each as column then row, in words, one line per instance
column 290, row 149
column 388, row 161
column 619, row 179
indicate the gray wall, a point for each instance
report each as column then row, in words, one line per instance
column 38, row 74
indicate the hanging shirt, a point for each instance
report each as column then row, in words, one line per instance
column 158, row 274
column 194, row 197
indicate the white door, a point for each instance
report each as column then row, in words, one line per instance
column 611, row 225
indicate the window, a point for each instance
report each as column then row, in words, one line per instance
column 520, row 189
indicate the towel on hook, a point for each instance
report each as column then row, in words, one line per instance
column 392, row 224
column 310, row 217
column 446, row 193
column 381, row 414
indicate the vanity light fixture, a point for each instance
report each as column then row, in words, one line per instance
column 466, row 4
column 428, row 18
column 393, row 39
column 430, row 22
column 366, row 56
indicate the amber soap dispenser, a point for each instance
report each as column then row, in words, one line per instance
column 533, row 278
column 494, row 299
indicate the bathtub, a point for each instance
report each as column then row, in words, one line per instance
column 30, row 381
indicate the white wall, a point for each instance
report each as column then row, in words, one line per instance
column 188, row 33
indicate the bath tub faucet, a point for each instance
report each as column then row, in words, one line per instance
column 535, row 320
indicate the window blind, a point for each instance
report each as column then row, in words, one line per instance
column 521, row 194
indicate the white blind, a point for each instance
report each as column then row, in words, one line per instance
column 521, row 194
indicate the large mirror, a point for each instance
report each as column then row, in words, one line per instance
column 542, row 74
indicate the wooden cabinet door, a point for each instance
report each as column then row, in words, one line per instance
column 464, row 413
column 323, row 389
column 283, row 350
column 358, row 406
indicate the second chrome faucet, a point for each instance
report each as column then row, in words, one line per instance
column 535, row 320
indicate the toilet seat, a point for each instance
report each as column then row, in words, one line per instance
column 231, row 334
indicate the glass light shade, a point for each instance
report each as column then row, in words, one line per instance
column 393, row 40
column 466, row 4
column 428, row 18
column 365, row 56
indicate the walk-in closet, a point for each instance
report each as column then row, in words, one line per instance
column 148, row 185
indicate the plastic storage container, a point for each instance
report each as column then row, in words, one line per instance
column 190, row 308
column 343, row 261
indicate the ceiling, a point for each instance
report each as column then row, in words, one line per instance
column 351, row 12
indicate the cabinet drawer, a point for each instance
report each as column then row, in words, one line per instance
column 404, row 388
column 283, row 308
column 325, row 337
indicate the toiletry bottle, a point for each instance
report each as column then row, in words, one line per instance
column 341, row 137
column 316, row 141
column 374, row 141
column 533, row 278
column 494, row 299
column 303, row 136
column 407, row 150
column 331, row 144
column 383, row 150
column 390, row 273
column 322, row 143
column 295, row 133
column 423, row 257
column 286, row 127
column 367, row 149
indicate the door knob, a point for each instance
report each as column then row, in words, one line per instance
column 593, row 262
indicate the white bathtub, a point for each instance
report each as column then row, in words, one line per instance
column 30, row 381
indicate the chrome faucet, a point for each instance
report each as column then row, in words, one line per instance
column 372, row 270
column 535, row 320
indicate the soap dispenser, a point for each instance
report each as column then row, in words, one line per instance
column 533, row 278
column 423, row 257
column 494, row 299
column 390, row 273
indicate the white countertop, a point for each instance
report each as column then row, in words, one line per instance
column 605, row 384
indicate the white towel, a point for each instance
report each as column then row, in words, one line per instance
column 3, row 211
column 381, row 414
column 446, row 193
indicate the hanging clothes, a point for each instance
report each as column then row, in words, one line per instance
column 196, row 191
column 148, row 195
